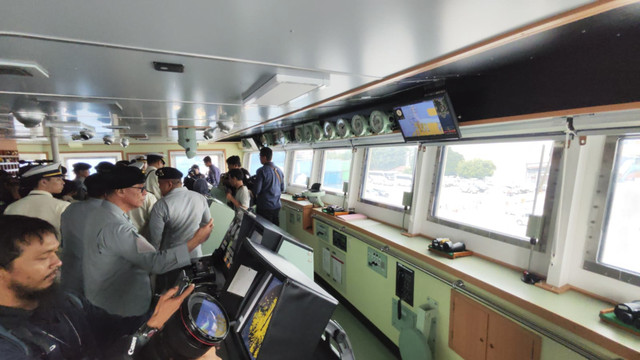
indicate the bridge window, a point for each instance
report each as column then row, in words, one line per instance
column 180, row 161
column 336, row 168
column 388, row 174
column 301, row 170
column 93, row 159
column 612, row 245
column 491, row 189
column 254, row 161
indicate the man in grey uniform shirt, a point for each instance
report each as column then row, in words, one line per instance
column 72, row 226
column 117, row 260
column 179, row 213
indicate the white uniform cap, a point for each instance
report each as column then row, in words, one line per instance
column 50, row 170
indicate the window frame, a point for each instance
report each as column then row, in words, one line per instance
column 293, row 164
column 548, row 212
column 67, row 155
column 220, row 154
column 363, row 177
column 602, row 200
column 323, row 158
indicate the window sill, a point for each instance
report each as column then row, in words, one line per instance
column 573, row 311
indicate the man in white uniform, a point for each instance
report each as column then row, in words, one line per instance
column 154, row 162
column 44, row 181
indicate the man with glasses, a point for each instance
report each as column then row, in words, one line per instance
column 117, row 260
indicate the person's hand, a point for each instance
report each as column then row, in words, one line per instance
column 229, row 196
column 202, row 234
column 167, row 305
column 210, row 355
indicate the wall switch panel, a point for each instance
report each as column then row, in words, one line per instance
column 322, row 231
column 377, row 261
column 404, row 283
column 340, row 240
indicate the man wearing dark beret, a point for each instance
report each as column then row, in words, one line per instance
column 118, row 260
column 73, row 224
column 81, row 170
column 178, row 213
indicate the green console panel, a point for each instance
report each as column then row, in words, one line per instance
column 377, row 261
column 408, row 318
column 322, row 231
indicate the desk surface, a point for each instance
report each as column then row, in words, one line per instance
column 572, row 311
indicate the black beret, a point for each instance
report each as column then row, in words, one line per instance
column 168, row 173
column 105, row 167
column 124, row 177
column 96, row 185
column 81, row 166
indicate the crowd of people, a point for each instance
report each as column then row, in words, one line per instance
column 117, row 229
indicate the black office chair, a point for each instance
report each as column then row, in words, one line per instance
column 334, row 344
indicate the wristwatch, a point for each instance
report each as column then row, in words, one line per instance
column 141, row 337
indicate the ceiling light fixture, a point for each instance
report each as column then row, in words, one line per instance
column 282, row 88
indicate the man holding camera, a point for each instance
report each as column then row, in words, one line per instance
column 37, row 321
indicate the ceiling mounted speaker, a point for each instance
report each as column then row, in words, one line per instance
column 265, row 140
column 318, row 132
column 283, row 137
column 343, row 128
column 330, row 130
column 380, row 122
column 298, row 133
column 307, row 134
column 360, row 125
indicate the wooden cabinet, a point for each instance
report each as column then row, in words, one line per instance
column 9, row 161
column 477, row 333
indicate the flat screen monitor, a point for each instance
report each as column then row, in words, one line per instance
column 238, row 229
column 254, row 327
column 432, row 118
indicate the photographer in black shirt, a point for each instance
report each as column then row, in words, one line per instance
column 38, row 321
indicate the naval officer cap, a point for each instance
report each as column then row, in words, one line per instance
column 43, row 171
column 81, row 166
column 124, row 177
column 168, row 173
column 151, row 158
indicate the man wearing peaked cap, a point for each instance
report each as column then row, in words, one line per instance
column 81, row 170
column 117, row 260
column 176, row 216
column 155, row 161
column 42, row 182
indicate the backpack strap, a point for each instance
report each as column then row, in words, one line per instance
column 276, row 171
column 4, row 333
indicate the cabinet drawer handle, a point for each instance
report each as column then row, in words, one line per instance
column 491, row 346
column 481, row 340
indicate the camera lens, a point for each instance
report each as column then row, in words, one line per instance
column 200, row 324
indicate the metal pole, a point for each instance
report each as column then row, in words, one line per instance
column 53, row 139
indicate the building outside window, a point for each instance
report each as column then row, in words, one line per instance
column 492, row 188
column 388, row 174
